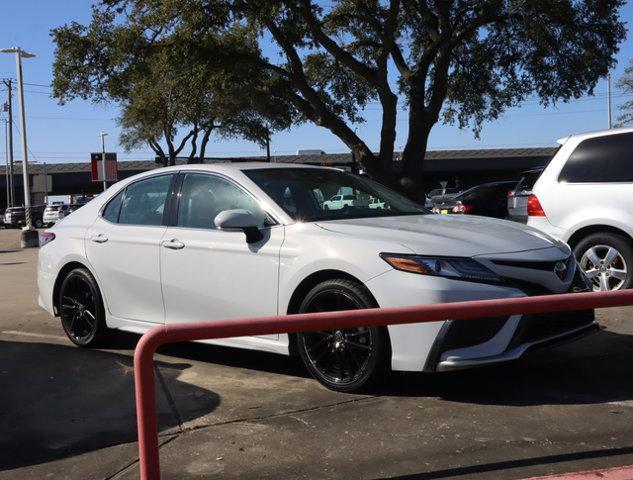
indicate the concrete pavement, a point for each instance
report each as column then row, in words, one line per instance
column 69, row 413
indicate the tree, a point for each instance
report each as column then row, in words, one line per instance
column 456, row 61
column 172, row 92
column 625, row 83
column 462, row 61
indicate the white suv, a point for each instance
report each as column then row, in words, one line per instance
column 585, row 197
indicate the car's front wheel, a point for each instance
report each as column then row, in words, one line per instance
column 345, row 360
column 81, row 309
column 607, row 259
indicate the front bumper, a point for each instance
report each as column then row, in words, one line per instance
column 471, row 343
column 454, row 361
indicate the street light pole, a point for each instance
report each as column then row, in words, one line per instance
column 29, row 235
column 103, row 160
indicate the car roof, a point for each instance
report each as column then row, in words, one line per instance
column 233, row 166
column 600, row 133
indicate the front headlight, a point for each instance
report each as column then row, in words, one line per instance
column 450, row 267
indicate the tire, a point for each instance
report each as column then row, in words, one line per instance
column 38, row 223
column 81, row 309
column 612, row 265
column 349, row 360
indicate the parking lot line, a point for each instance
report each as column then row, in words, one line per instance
column 33, row 335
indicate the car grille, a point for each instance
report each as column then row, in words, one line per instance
column 539, row 326
column 545, row 266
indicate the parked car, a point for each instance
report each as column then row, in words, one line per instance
column 190, row 243
column 54, row 213
column 585, row 198
column 440, row 195
column 487, row 200
column 518, row 197
column 51, row 213
column 14, row 216
column 339, row 201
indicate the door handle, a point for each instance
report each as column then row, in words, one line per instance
column 101, row 238
column 173, row 244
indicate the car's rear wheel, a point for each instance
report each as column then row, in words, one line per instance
column 38, row 223
column 607, row 259
column 81, row 309
column 345, row 360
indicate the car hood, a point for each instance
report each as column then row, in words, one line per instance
column 454, row 235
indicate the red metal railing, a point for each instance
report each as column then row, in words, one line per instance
column 163, row 334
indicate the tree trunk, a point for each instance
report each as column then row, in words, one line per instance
column 411, row 174
column 205, row 141
column 389, row 103
column 194, row 147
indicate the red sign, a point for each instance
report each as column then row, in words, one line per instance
column 111, row 169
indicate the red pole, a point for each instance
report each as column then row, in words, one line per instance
column 160, row 335
column 146, row 402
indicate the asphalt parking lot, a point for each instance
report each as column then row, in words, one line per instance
column 223, row 413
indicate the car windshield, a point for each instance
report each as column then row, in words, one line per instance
column 528, row 180
column 312, row 194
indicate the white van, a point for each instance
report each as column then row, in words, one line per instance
column 585, row 197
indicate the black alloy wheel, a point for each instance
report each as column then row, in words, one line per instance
column 345, row 360
column 81, row 309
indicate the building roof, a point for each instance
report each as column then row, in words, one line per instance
column 315, row 159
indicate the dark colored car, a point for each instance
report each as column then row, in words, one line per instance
column 14, row 216
column 519, row 196
column 486, row 200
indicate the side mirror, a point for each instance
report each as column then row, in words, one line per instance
column 239, row 219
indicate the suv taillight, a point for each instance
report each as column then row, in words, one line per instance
column 534, row 208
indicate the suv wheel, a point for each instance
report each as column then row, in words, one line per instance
column 607, row 259
column 81, row 309
column 344, row 360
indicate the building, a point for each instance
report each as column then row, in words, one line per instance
column 462, row 168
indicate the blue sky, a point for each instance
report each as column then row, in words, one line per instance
column 70, row 132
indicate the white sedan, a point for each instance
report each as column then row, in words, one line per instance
column 204, row 242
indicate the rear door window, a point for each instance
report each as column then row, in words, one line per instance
column 144, row 201
column 111, row 212
column 605, row 159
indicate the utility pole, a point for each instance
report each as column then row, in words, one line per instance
column 30, row 237
column 6, row 155
column 609, row 101
column 103, row 160
column 9, row 104
column 45, row 185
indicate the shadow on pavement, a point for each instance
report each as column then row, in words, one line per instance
column 58, row 401
column 595, row 369
column 505, row 465
column 230, row 357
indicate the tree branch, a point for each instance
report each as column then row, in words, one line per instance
column 334, row 49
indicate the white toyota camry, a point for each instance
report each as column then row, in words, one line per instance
column 203, row 242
